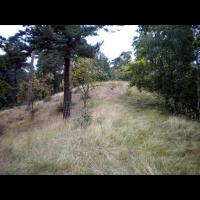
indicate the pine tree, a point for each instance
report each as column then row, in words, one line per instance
column 51, row 63
column 14, row 61
column 104, row 64
column 69, row 41
column 196, row 45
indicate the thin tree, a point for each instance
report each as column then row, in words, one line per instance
column 30, row 96
column 85, row 73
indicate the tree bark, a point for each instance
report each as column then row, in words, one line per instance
column 67, row 90
column 30, row 92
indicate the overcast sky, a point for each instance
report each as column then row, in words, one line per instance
column 114, row 42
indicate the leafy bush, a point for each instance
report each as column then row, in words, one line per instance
column 39, row 88
column 84, row 74
column 163, row 64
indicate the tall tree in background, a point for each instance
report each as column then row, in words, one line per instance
column 196, row 45
column 104, row 64
column 30, row 86
column 168, row 55
column 14, row 61
column 85, row 73
column 118, row 63
column 123, row 59
column 51, row 63
column 69, row 41
column 4, row 86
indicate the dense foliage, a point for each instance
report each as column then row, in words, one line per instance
column 69, row 42
column 103, row 63
column 118, row 64
column 85, row 72
column 12, row 65
column 57, row 47
column 165, row 64
column 51, row 63
column 40, row 87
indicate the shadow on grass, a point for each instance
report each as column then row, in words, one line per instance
column 139, row 102
column 142, row 102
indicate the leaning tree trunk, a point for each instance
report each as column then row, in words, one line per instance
column 30, row 89
column 67, row 90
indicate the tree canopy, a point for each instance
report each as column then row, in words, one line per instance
column 164, row 64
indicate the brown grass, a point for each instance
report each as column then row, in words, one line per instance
column 128, row 135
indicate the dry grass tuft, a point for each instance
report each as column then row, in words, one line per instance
column 128, row 134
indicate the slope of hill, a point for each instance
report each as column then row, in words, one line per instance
column 129, row 134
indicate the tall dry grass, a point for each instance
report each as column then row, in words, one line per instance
column 128, row 134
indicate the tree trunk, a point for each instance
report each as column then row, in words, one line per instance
column 30, row 92
column 67, row 90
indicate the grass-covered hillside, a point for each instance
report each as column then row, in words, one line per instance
column 129, row 133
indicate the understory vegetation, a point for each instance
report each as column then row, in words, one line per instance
column 65, row 108
column 129, row 133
